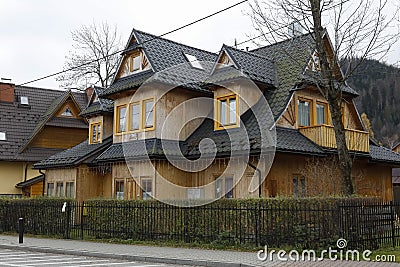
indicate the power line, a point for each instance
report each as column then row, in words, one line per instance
column 120, row 51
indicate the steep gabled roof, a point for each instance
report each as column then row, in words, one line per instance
column 19, row 122
column 49, row 114
column 74, row 156
column 291, row 57
column 256, row 67
column 162, row 54
column 95, row 107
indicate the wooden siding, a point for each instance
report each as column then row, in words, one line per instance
column 36, row 189
column 59, row 137
column 324, row 136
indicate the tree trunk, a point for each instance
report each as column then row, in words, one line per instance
column 333, row 94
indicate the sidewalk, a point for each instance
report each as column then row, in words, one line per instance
column 168, row 255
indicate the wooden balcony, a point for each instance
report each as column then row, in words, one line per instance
column 324, row 136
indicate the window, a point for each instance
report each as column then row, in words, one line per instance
column 24, row 100
column 3, row 136
column 135, row 116
column 141, row 116
column 224, row 187
column 299, row 186
column 229, row 187
column 304, row 112
column 50, row 189
column 60, row 189
column 149, row 113
column 147, row 191
column 315, row 64
column 67, row 113
column 322, row 113
column 95, row 133
column 119, row 189
column 70, row 189
column 136, row 60
column 224, row 61
column 193, row 61
column 227, row 112
column 121, row 118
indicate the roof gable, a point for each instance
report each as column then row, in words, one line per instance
column 56, row 109
column 161, row 54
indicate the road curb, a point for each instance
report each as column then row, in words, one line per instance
column 125, row 256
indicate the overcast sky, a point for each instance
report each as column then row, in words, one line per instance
column 36, row 34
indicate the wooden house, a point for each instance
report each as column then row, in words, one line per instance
column 136, row 146
column 35, row 123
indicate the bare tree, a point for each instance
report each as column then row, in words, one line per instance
column 95, row 56
column 360, row 28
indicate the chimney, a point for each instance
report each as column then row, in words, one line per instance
column 89, row 92
column 7, row 90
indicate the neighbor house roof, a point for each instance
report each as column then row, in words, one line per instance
column 31, row 181
column 162, row 54
column 21, row 122
column 48, row 116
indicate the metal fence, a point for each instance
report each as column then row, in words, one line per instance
column 307, row 224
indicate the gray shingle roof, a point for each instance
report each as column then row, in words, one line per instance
column 67, row 122
column 162, row 54
column 291, row 57
column 383, row 154
column 153, row 148
column 75, row 155
column 19, row 122
column 256, row 67
column 102, row 105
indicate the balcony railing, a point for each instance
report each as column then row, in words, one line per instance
column 324, row 136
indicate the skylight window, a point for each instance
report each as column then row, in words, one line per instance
column 3, row 136
column 24, row 100
column 193, row 61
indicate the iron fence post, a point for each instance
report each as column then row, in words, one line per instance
column 68, row 220
column 392, row 223
column 21, row 230
column 82, row 218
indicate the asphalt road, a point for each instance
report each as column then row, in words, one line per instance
column 26, row 258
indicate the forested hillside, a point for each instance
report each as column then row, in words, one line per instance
column 379, row 87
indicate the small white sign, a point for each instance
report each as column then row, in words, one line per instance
column 63, row 207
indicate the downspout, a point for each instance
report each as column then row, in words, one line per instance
column 44, row 180
column 259, row 177
column 26, row 171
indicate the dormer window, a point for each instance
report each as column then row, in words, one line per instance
column 95, row 133
column 138, row 62
column 67, row 112
column 24, row 100
column 315, row 64
column 3, row 136
column 224, row 61
column 194, row 62
column 227, row 112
